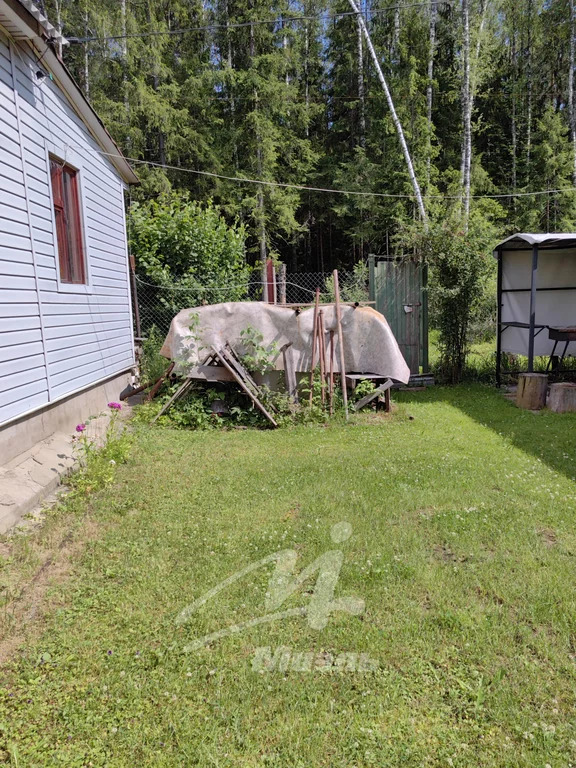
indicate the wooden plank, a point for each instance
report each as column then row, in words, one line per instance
column 180, row 392
column 340, row 343
column 376, row 393
column 222, row 357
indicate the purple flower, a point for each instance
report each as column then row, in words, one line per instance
column 115, row 406
column 80, row 427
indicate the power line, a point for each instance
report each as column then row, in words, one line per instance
column 330, row 190
column 254, row 22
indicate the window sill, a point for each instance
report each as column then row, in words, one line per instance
column 74, row 288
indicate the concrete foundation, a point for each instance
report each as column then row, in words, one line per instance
column 37, row 451
column 21, row 435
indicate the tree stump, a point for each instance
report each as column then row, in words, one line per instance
column 562, row 397
column 531, row 393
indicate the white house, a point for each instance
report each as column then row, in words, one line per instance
column 66, row 337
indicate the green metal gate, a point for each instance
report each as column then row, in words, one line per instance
column 398, row 286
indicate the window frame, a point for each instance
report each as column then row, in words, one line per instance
column 74, row 161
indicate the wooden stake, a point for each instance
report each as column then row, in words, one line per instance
column 331, row 372
column 340, row 342
column 322, row 354
column 314, row 335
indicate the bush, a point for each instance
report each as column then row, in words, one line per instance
column 460, row 287
column 186, row 254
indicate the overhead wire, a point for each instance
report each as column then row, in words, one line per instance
column 251, row 23
column 332, row 190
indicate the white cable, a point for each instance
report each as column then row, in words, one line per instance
column 243, row 24
column 244, row 180
column 330, row 190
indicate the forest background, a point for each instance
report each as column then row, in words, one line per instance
column 287, row 93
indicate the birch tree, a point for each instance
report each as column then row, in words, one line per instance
column 571, row 112
column 430, row 83
column 394, row 115
column 466, row 99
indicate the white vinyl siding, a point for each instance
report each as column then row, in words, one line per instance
column 55, row 339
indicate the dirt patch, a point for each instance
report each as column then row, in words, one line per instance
column 548, row 536
column 427, row 512
column 293, row 513
column 446, row 555
column 488, row 596
column 29, row 604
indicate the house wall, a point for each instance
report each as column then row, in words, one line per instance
column 55, row 338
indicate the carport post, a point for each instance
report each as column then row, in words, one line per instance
column 499, row 324
column 533, row 283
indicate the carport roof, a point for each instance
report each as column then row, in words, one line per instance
column 547, row 240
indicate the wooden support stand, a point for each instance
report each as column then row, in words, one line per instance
column 562, row 397
column 531, row 393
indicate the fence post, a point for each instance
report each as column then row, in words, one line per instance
column 135, row 296
column 282, row 283
column 270, row 287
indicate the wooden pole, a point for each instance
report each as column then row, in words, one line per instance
column 340, row 342
column 282, row 284
column 314, row 334
column 322, row 355
column 499, row 323
column 331, row 390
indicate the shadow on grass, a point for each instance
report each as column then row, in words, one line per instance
column 549, row 436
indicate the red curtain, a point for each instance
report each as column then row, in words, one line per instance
column 68, row 222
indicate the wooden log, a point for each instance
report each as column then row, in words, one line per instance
column 531, row 393
column 331, row 372
column 314, row 342
column 289, row 371
column 562, row 397
column 322, row 354
column 340, row 342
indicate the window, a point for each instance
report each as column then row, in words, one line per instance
column 66, row 197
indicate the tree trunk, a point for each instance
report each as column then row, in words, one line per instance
column 396, row 39
column 466, row 99
column 362, row 106
column 562, row 398
column 307, row 79
column 529, row 93
column 86, row 59
column 429, row 86
column 571, row 114
column 514, row 67
column 395, row 118
column 531, row 393
column 125, row 69
column 58, row 8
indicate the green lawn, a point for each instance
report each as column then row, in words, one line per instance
column 463, row 548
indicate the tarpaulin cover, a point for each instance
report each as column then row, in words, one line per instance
column 369, row 344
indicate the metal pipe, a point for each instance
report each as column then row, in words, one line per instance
column 499, row 324
column 533, row 283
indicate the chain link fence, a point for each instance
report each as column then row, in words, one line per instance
column 156, row 305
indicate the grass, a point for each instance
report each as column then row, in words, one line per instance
column 463, row 549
